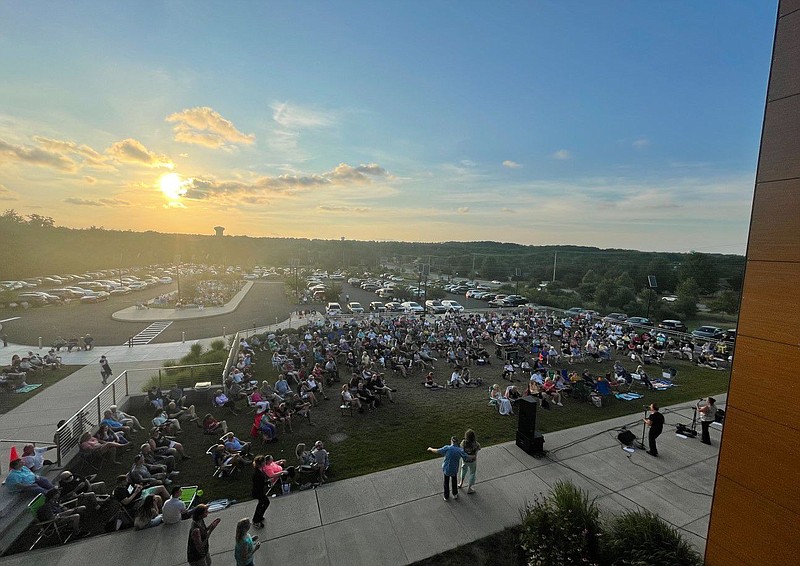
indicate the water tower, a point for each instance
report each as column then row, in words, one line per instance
column 219, row 231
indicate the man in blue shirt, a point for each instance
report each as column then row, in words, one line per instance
column 452, row 457
column 21, row 480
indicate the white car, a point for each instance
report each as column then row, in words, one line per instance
column 355, row 307
column 452, row 306
column 333, row 308
column 165, row 280
column 412, row 307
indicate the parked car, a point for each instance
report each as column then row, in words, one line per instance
column 730, row 335
column 709, row 332
column 639, row 321
column 377, row 306
column 394, row 306
column 574, row 311
column 333, row 308
column 615, row 317
column 412, row 307
column 675, row 325
column 66, row 293
column 355, row 307
column 435, row 307
column 452, row 306
column 95, row 296
column 165, row 280
column 515, row 300
column 32, row 298
column 499, row 302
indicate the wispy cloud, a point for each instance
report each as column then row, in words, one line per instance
column 90, row 180
column 205, row 126
column 332, row 208
column 641, row 143
column 511, row 164
column 96, row 202
column 462, row 210
column 507, row 210
column 35, row 156
column 562, row 154
column 131, row 151
column 294, row 117
column 87, row 156
column 343, row 175
column 7, row 194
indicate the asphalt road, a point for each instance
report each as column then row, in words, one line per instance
column 265, row 302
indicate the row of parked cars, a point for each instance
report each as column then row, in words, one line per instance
column 87, row 288
column 706, row 332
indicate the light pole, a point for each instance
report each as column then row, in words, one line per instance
column 178, row 275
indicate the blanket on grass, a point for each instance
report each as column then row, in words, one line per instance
column 27, row 388
column 628, row 396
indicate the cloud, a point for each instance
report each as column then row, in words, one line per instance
column 35, row 156
column 7, row 194
column 343, row 209
column 342, row 175
column 295, row 117
column 507, row 210
column 467, row 163
column 562, row 154
column 133, row 152
column 511, row 164
column 205, row 126
column 641, row 143
column 90, row 180
column 111, row 202
column 88, row 156
column 462, row 210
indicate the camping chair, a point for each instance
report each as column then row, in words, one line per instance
column 492, row 400
column 55, row 526
column 221, row 470
column 581, row 391
column 603, row 388
column 92, row 460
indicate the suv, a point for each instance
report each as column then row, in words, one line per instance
column 355, row 308
column 675, row 325
column 377, row 306
column 333, row 308
column 412, row 307
column 639, row 321
column 452, row 306
column 435, row 307
column 616, row 317
column 710, row 332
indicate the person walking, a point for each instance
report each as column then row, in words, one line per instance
column 246, row 545
column 105, row 369
column 197, row 548
column 453, row 454
column 261, row 485
column 468, row 466
column 656, row 423
column 708, row 414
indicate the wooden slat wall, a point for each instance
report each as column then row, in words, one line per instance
column 755, row 515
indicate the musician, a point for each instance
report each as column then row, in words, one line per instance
column 708, row 413
column 656, row 423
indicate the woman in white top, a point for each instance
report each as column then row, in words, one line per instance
column 503, row 404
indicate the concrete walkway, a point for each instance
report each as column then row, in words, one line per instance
column 136, row 314
column 398, row 516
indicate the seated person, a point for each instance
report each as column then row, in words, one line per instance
column 156, row 397
column 322, row 457
column 302, row 407
column 366, row 397
column 113, row 424
column 273, row 469
column 105, row 434
column 74, row 486
column 151, row 459
column 349, row 400
column 233, row 444
column 512, row 393
column 162, row 421
column 92, row 445
column 130, row 495
column 508, row 371
column 176, row 394
column 126, row 419
column 377, row 386
column 551, row 391
column 262, row 425
column 503, row 404
column 211, row 425
column 306, row 394
column 455, row 377
column 235, row 390
column 52, row 509
column 283, row 415
column 430, row 383
column 181, row 413
column 282, row 386
column 21, row 480
column 222, row 400
column 52, row 361
column 88, row 342
column 307, row 464
column 140, row 474
column 225, row 459
column 164, row 445
column 174, row 509
column 33, row 458
column 148, row 514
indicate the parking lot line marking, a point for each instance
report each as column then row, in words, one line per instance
column 10, row 319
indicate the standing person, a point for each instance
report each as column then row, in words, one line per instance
column 656, row 423
column 468, row 466
column 197, row 550
column 105, row 369
column 708, row 413
column 453, row 454
column 246, row 545
column 261, row 485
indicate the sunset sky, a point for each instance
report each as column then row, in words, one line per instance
column 614, row 124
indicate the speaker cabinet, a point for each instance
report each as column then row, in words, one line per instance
column 526, row 407
column 533, row 444
column 626, row 437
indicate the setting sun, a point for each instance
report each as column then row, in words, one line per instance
column 172, row 186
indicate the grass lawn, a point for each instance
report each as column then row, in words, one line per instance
column 397, row 434
column 10, row 400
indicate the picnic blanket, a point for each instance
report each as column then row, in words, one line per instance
column 662, row 384
column 26, row 388
column 628, row 396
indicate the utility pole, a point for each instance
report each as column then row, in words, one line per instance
column 473, row 266
column 555, row 261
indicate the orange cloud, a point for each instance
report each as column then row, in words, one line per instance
column 205, row 126
column 133, row 152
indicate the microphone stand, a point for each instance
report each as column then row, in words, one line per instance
column 644, row 428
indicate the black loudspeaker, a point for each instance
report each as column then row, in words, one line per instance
column 526, row 407
column 533, row 444
column 626, row 437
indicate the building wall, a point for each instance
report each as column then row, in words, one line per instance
column 755, row 514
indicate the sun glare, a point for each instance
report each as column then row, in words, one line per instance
column 172, row 186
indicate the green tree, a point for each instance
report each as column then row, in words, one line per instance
column 727, row 302
column 701, row 268
column 688, row 294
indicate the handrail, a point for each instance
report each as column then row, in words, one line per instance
column 18, row 441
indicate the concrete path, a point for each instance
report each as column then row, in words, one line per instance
column 398, row 516
column 136, row 314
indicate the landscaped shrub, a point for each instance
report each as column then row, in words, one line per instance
column 218, row 344
column 640, row 538
column 562, row 528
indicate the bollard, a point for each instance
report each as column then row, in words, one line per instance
column 224, row 334
column 183, row 337
column 40, row 342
